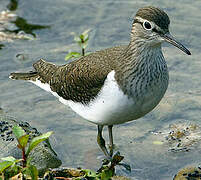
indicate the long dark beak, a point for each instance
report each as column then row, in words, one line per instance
column 170, row 39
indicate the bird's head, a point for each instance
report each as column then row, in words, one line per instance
column 151, row 25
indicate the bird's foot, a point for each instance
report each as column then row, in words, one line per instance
column 110, row 163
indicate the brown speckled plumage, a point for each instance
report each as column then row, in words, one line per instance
column 80, row 80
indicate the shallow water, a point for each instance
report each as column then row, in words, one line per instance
column 110, row 21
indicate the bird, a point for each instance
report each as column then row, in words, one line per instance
column 114, row 85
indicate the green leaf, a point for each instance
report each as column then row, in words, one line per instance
column 86, row 38
column 107, row 174
column 35, row 141
column 85, row 33
column 18, row 131
column 29, row 161
column 76, row 37
column 9, row 158
column 81, row 37
column 89, row 173
column 23, row 140
column 32, row 172
column 4, row 165
column 72, row 55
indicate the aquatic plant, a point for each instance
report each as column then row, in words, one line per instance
column 82, row 42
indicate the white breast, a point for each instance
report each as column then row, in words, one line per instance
column 111, row 106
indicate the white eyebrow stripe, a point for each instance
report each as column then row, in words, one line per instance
column 142, row 20
column 139, row 19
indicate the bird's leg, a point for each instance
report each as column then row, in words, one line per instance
column 110, row 162
column 101, row 141
column 111, row 145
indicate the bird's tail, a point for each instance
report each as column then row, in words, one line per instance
column 43, row 71
column 24, row 76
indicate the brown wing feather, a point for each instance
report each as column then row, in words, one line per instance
column 80, row 80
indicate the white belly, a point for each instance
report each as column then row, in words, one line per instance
column 111, row 106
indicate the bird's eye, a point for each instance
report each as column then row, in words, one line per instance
column 147, row 25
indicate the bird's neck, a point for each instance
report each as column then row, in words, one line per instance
column 139, row 62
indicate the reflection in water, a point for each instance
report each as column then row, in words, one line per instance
column 21, row 30
column 22, row 25
column 1, row 46
column 12, row 6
